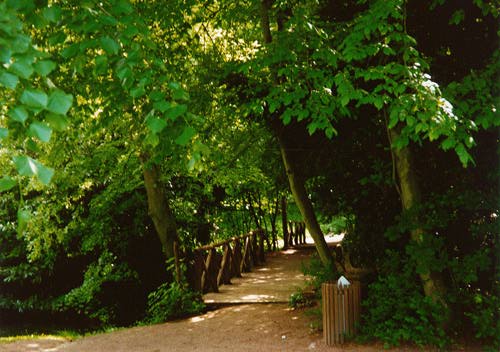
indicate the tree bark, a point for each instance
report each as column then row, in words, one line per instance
column 296, row 183
column 305, row 206
column 159, row 209
column 433, row 283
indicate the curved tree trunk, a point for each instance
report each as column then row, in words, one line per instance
column 410, row 194
column 296, row 183
column 305, row 206
column 159, row 210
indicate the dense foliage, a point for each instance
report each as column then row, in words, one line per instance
column 128, row 126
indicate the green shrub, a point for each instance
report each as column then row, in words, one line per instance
column 171, row 301
column 485, row 317
column 300, row 300
column 319, row 273
column 98, row 296
column 397, row 311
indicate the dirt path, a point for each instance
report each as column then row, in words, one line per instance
column 274, row 282
column 238, row 326
column 246, row 327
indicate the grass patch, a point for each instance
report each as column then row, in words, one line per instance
column 62, row 336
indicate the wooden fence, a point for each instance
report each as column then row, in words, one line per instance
column 213, row 265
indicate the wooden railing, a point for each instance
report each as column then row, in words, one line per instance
column 213, row 265
column 296, row 233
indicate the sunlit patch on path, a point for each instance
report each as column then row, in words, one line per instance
column 273, row 282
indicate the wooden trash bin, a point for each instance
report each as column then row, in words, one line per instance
column 341, row 310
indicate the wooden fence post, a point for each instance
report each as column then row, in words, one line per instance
column 208, row 269
column 222, row 277
column 255, row 249
column 212, row 265
column 262, row 255
column 236, row 262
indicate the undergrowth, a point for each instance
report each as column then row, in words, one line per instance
column 172, row 301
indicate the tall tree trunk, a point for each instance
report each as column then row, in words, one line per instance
column 159, row 209
column 410, row 195
column 305, row 206
column 296, row 183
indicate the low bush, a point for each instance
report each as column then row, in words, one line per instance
column 172, row 301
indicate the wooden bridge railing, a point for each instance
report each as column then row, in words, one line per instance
column 296, row 233
column 216, row 264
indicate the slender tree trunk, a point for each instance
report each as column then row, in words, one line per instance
column 410, row 194
column 272, row 218
column 296, row 183
column 284, row 222
column 159, row 209
column 252, row 210
column 305, row 206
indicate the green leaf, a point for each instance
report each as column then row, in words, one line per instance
column 124, row 73
column 344, row 100
column 27, row 166
column 273, row 105
column 3, row 133
column 312, row 127
column 70, row 51
column 176, row 111
column 52, row 13
column 155, row 124
column 186, row 135
column 180, row 94
column 19, row 114
column 34, row 98
column 21, row 43
column 174, row 85
column 448, row 143
column 137, row 92
column 43, row 68
column 457, row 17
column 41, row 131
column 131, row 31
column 59, row 102
column 162, row 105
column 101, row 64
column 5, row 55
column 330, row 132
column 123, row 7
column 32, row 146
column 157, row 96
column 23, row 217
column 110, row 45
column 6, row 183
column 57, row 122
column 57, row 38
column 394, row 116
column 152, row 139
column 378, row 102
column 463, row 154
column 9, row 80
column 287, row 117
column 22, row 68
column 109, row 20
